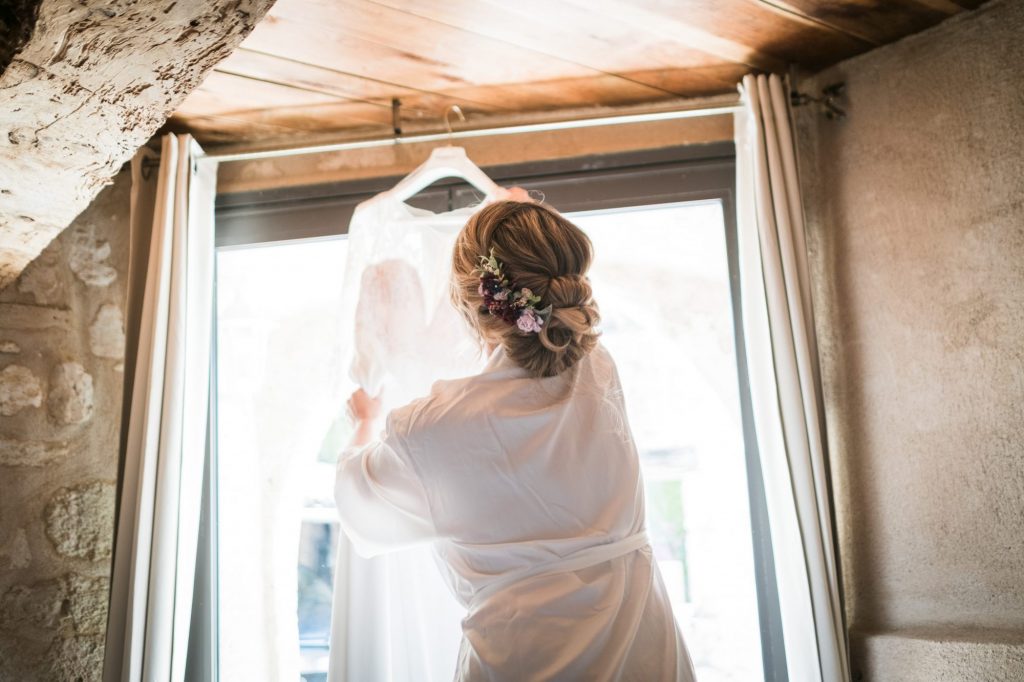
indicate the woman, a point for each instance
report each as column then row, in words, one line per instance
column 524, row 477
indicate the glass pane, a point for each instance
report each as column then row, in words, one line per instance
column 661, row 278
column 277, row 331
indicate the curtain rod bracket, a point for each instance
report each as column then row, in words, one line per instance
column 148, row 166
column 396, row 116
column 831, row 100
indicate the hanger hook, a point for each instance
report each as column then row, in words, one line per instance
column 447, row 122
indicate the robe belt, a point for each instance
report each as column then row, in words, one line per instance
column 584, row 558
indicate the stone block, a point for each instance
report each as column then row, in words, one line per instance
column 86, row 600
column 36, row 606
column 71, row 394
column 71, row 605
column 42, row 282
column 80, row 521
column 106, row 334
column 88, row 257
column 77, row 658
column 15, row 553
column 19, row 388
column 33, row 317
column 93, row 82
column 31, row 453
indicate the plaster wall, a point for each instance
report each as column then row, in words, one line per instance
column 61, row 371
column 915, row 208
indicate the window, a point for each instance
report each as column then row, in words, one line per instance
column 664, row 274
column 661, row 277
column 275, row 513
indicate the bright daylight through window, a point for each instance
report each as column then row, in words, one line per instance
column 661, row 279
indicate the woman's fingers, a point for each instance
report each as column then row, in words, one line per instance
column 517, row 194
column 362, row 406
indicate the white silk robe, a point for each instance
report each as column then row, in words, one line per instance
column 530, row 492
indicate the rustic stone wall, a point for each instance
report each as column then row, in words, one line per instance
column 95, row 80
column 61, row 365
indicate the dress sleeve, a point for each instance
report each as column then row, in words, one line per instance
column 381, row 501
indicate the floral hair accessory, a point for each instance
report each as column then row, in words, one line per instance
column 502, row 299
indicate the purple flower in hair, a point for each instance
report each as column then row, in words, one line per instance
column 529, row 321
column 502, row 300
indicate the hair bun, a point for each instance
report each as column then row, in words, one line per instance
column 545, row 253
column 567, row 278
column 568, row 290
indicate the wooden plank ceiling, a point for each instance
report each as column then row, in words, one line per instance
column 315, row 67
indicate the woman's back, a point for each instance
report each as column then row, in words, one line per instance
column 534, row 492
column 505, row 457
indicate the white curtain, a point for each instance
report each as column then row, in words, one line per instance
column 785, row 384
column 169, row 326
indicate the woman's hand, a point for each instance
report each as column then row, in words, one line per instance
column 363, row 410
column 362, row 407
column 517, row 194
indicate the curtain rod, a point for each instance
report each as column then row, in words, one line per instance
column 615, row 119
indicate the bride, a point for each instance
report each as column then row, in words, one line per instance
column 524, row 478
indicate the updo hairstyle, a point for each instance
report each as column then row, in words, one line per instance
column 540, row 250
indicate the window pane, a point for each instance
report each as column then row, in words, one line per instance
column 661, row 279
column 278, row 332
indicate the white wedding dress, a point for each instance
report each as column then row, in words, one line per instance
column 394, row 619
column 526, row 490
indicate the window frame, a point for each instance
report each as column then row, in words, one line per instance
column 584, row 183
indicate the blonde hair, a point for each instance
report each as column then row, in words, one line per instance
column 542, row 251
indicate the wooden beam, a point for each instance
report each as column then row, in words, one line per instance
column 674, row 24
column 874, row 21
column 565, row 32
column 375, row 40
column 92, row 84
column 212, row 117
column 222, row 93
column 330, row 80
column 947, row 7
column 968, row 4
column 752, row 33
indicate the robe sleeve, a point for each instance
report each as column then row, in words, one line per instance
column 381, row 502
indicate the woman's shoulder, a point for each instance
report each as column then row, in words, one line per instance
column 459, row 402
column 447, row 401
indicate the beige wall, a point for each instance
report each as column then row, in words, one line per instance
column 61, row 353
column 915, row 210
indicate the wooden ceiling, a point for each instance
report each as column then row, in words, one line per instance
column 315, row 67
